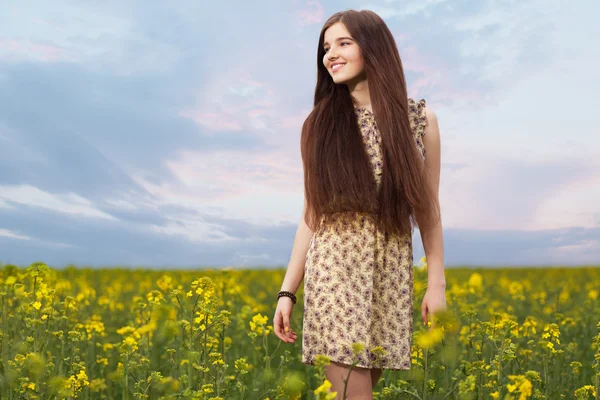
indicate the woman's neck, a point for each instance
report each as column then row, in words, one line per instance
column 360, row 92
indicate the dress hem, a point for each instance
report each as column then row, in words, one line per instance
column 311, row 362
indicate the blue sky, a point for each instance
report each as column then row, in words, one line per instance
column 166, row 134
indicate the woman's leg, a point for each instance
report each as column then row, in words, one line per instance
column 359, row 382
column 375, row 375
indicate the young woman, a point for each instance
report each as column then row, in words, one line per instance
column 371, row 159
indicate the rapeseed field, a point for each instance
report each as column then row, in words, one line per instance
column 80, row 333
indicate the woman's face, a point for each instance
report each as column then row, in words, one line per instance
column 343, row 58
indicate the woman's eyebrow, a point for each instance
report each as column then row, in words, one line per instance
column 338, row 39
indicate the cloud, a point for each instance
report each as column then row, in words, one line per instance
column 504, row 193
column 233, row 101
column 101, row 37
column 9, row 234
column 103, row 130
column 576, row 203
column 407, row 8
column 151, row 135
column 256, row 187
column 312, row 12
column 100, row 242
column 515, row 248
column 249, row 245
column 17, row 50
column 5, row 204
column 501, row 45
column 68, row 203
column 6, row 236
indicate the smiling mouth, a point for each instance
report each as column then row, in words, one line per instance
column 337, row 67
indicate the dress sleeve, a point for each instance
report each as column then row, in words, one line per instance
column 418, row 122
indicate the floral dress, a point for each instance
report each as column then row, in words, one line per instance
column 358, row 282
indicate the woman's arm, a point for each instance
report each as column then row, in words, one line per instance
column 432, row 238
column 295, row 270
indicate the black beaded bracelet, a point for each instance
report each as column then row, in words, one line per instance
column 286, row 294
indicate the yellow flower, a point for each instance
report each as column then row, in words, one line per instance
column 154, row 296
column 379, row 352
column 10, row 280
column 476, row 280
column 323, row 392
column 528, row 326
column 357, row 348
column 208, row 388
column 576, row 367
column 164, row 283
column 324, row 388
column 551, row 331
column 83, row 378
column 241, row 365
column 129, row 341
column 521, row 384
column 430, row 338
column 102, row 360
column 258, row 318
column 37, row 305
column 126, row 330
column 216, row 358
column 258, row 324
column 322, row 360
column 585, row 392
column 525, row 389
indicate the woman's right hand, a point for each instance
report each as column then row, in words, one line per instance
column 281, row 320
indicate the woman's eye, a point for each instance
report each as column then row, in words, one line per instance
column 340, row 43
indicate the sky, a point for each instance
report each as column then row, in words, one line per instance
column 167, row 134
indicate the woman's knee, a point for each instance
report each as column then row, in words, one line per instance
column 358, row 385
column 375, row 375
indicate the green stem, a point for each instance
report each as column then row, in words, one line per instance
column 204, row 351
column 416, row 396
column 348, row 379
column 126, row 388
column 545, row 377
column 425, row 370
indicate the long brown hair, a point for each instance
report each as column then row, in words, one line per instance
column 338, row 176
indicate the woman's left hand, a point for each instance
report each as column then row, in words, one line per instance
column 433, row 301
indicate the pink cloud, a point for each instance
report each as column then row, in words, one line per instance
column 294, row 121
column 248, row 115
column 435, row 78
column 227, row 175
column 312, row 14
column 234, row 101
column 400, row 37
column 212, row 120
column 19, row 49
